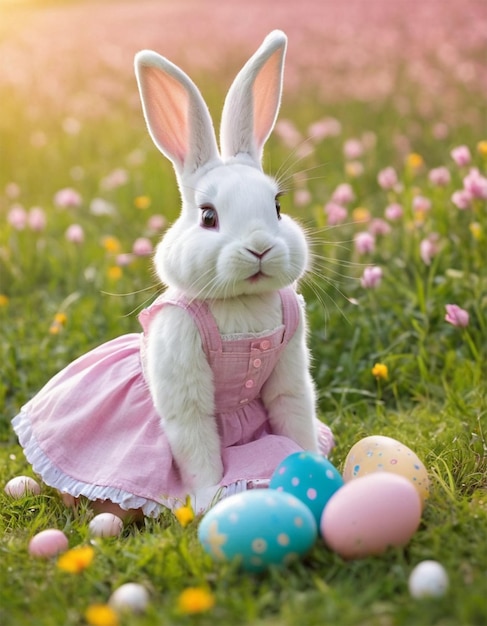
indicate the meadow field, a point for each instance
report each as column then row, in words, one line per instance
column 382, row 144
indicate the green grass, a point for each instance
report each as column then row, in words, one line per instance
column 434, row 399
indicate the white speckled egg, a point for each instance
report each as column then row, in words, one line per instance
column 130, row 597
column 428, row 580
column 371, row 513
column 48, row 543
column 21, row 486
column 310, row 477
column 384, row 454
column 259, row 528
column 105, row 525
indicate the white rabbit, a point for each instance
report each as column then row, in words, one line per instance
column 223, row 357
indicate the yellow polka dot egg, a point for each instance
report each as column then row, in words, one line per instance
column 378, row 453
column 258, row 528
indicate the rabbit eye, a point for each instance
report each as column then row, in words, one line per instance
column 209, row 217
column 278, row 208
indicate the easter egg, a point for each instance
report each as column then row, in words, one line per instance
column 369, row 514
column 428, row 580
column 106, row 525
column 21, row 486
column 258, row 528
column 130, row 597
column 48, row 543
column 384, row 454
column 310, row 477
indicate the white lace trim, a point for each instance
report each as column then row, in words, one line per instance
column 64, row 483
column 54, row 477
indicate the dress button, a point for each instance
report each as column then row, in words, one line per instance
column 249, row 384
column 265, row 345
column 257, row 363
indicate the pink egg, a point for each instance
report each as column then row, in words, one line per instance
column 21, row 486
column 106, row 525
column 48, row 543
column 371, row 513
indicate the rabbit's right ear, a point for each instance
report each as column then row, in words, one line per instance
column 175, row 112
column 253, row 101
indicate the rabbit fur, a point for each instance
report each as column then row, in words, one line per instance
column 230, row 246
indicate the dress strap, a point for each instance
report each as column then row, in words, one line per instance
column 199, row 311
column 290, row 312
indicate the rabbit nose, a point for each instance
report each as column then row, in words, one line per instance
column 259, row 255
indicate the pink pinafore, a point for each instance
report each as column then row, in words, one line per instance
column 93, row 429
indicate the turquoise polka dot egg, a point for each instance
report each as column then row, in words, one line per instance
column 309, row 477
column 258, row 528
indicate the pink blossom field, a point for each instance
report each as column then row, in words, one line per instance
column 381, row 150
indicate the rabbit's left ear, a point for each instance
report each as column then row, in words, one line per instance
column 176, row 114
column 252, row 103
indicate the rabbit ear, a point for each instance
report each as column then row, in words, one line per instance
column 252, row 103
column 175, row 112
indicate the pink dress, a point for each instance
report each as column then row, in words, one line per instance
column 93, row 429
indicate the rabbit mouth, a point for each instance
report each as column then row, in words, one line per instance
column 257, row 276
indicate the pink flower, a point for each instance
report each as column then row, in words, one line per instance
column 288, row 133
column 114, row 179
column 475, row 184
column 99, row 206
column 67, row 198
column 387, row 178
column 440, row 130
column 394, row 212
column 364, row 243
column 12, row 190
column 17, row 217
column 353, row 149
column 428, row 248
column 124, row 259
column 420, row 203
column 439, row 176
column 456, row 316
column 462, row 199
column 142, row 247
column 461, row 155
column 343, row 194
column 371, row 277
column 37, row 219
column 302, row 197
column 75, row 234
column 328, row 127
column 379, row 227
column 336, row 213
column 156, row 223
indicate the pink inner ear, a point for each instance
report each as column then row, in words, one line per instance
column 266, row 92
column 166, row 104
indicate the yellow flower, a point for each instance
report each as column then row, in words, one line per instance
column 482, row 148
column 354, row 169
column 419, row 217
column 111, row 244
column 101, row 615
column 76, row 560
column 196, row 600
column 184, row 515
column 114, row 272
column 380, row 371
column 142, row 202
column 414, row 161
column 4, row 300
column 476, row 230
column 361, row 214
column 60, row 318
